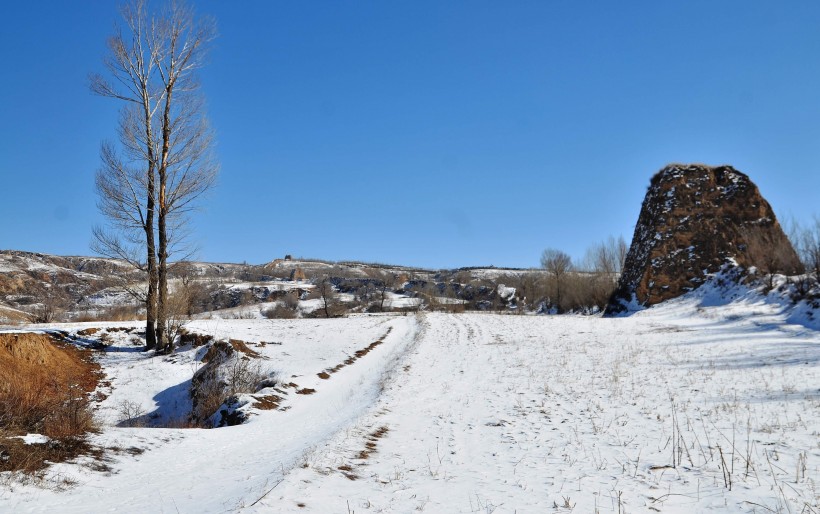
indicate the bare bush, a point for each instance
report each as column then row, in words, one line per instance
column 131, row 414
column 806, row 241
column 49, row 311
column 279, row 311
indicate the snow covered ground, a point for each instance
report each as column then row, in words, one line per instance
column 698, row 405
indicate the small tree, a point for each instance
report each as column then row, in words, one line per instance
column 558, row 264
column 379, row 286
column 326, row 292
column 766, row 251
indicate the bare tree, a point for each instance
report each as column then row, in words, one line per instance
column 810, row 249
column 530, row 288
column 607, row 257
column 165, row 163
column 388, row 282
column 186, row 168
column 557, row 264
column 806, row 242
column 324, row 288
column 382, row 282
column 770, row 253
column 126, row 181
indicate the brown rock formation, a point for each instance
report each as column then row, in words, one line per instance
column 694, row 219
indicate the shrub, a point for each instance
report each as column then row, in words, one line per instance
column 279, row 311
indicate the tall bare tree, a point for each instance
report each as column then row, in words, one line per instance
column 164, row 163
column 126, row 180
column 186, row 168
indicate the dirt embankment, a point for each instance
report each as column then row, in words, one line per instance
column 44, row 389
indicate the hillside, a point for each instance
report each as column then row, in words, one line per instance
column 35, row 286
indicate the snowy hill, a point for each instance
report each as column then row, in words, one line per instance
column 54, row 288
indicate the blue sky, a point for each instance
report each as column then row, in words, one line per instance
column 436, row 134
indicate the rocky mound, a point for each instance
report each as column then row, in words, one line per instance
column 694, row 219
column 220, row 390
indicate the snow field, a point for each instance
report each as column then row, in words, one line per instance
column 525, row 414
column 701, row 404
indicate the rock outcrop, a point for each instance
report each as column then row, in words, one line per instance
column 694, row 219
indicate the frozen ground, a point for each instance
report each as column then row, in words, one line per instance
column 698, row 405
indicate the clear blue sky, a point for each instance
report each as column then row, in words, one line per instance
column 429, row 133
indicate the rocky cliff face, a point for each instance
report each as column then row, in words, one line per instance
column 694, row 219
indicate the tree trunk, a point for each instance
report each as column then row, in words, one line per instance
column 325, row 294
column 164, row 344
column 151, row 298
column 150, row 245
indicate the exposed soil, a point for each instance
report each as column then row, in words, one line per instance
column 44, row 389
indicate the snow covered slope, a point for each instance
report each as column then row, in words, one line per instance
column 700, row 404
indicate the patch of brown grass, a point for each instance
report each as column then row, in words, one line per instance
column 269, row 402
column 306, row 390
column 380, row 432
column 44, row 389
column 193, row 339
column 370, row 445
column 242, row 346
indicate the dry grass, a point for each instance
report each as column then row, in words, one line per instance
column 370, row 444
column 193, row 339
column 269, row 402
column 44, row 387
